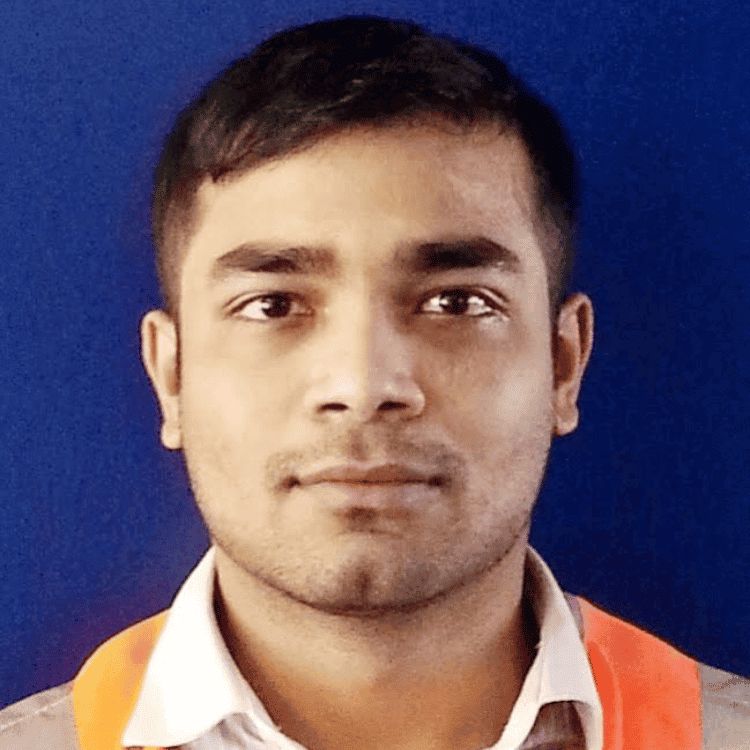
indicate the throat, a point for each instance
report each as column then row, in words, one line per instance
column 443, row 678
column 458, row 708
column 367, row 701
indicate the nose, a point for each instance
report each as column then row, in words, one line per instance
column 365, row 371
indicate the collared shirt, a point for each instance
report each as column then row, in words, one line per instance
column 194, row 695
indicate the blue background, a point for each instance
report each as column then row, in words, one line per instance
column 646, row 507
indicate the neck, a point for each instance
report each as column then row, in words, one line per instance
column 446, row 676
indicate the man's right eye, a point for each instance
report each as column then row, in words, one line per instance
column 271, row 306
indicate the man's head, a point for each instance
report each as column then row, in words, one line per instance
column 308, row 83
column 361, row 370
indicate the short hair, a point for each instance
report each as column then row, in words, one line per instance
column 313, row 81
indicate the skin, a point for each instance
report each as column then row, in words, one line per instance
column 346, row 597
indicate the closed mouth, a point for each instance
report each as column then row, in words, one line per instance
column 357, row 474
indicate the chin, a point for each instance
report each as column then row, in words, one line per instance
column 358, row 603
column 366, row 576
column 364, row 585
column 367, row 581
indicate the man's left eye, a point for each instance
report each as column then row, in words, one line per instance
column 460, row 302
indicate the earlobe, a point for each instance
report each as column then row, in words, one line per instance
column 573, row 340
column 159, row 349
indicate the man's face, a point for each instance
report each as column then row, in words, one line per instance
column 366, row 390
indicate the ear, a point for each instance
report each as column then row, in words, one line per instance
column 571, row 349
column 159, row 349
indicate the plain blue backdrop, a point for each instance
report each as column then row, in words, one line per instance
column 645, row 510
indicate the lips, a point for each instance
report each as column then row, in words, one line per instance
column 357, row 474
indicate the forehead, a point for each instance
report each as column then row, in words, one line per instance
column 375, row 191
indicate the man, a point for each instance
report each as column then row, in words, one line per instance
column 364, row 234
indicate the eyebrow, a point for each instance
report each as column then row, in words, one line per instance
column 251, row 258
column 422, row 259
column 474, row 252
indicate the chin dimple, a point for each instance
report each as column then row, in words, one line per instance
column 361, row 515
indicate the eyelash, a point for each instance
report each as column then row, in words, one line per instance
column 493, row 307
column 240, row 308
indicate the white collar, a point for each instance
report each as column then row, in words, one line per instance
column 192, row 683
column 560, row 671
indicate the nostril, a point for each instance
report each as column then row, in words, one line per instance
column 334, row 406
column 392, row 405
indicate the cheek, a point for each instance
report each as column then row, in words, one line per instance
column 524, row 395
column 230, row 376
column 228, row 407
column 228, row 423
column 497, row 406
column 506, row 413
column 496, row 385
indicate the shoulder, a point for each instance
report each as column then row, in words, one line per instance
column 726, row 709
column 91, row 708
column 39, row 722
column 674, row 686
